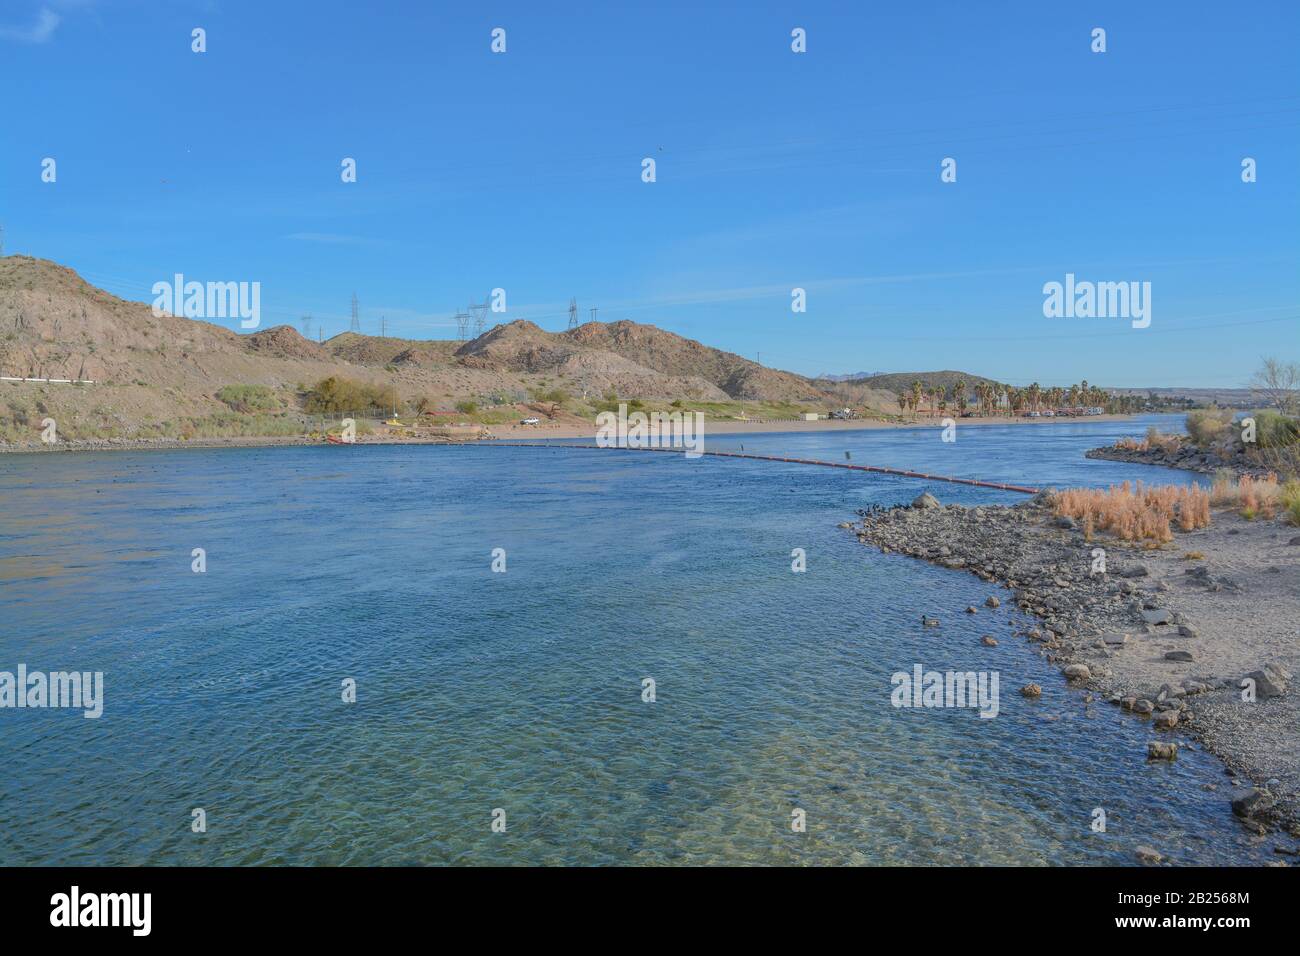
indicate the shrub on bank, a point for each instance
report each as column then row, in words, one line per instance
column 1289, row 497
column 1136, row 512
column 1275, row 430
column 249, row 398
column 1256, row 497
column 1208, row 425
column 337, row 395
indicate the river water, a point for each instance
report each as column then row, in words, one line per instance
column 522, row 692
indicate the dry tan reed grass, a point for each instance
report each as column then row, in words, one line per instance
column 1136, row 512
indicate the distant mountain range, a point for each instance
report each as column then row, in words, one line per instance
column 895, row 382
column 851, row 377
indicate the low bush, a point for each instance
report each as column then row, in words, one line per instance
column 1136, row 512
column 1289, row 497
column 1207, row 425
column 1256, row 497
column 1273, row 430
column 336, row 395
column 249, row 398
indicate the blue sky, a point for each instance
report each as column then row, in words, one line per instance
column 774, row 170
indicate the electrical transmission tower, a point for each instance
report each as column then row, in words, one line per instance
column 383, row 326
column 356, row 315
column 306, row 326
column 462, row 326
column 593, row 314
column 479, row 311
column 573, row 313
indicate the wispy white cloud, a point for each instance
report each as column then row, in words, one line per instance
column 47, row 21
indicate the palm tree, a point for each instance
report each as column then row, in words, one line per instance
column 959, row 394
column 916, row 396
column 903, row 400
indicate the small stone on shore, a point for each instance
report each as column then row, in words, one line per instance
column 1182, row 656
column 1077, row 672
column 1160, row 750
column 1149, row 855
column 1031, row 690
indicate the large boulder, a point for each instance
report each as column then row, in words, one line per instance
column 1269, row 682
column 925, row 500
column 1250, row 802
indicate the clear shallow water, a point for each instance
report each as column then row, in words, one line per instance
column 523, row 690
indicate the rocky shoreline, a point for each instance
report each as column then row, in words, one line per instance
column 1132, row 633
column 1185, row 456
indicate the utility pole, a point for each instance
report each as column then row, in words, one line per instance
column 356, row 314
column 479, row 311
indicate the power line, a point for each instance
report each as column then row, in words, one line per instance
column 479, row 311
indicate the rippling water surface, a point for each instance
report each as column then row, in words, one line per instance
column 522, row 690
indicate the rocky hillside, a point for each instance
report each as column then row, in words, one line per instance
column 895, row 382
column 673, row 355
column 158, row 369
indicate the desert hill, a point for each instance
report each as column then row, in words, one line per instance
column 895, row 382
column 154, row 372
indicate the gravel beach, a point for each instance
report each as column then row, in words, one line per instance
column 1167, row 634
